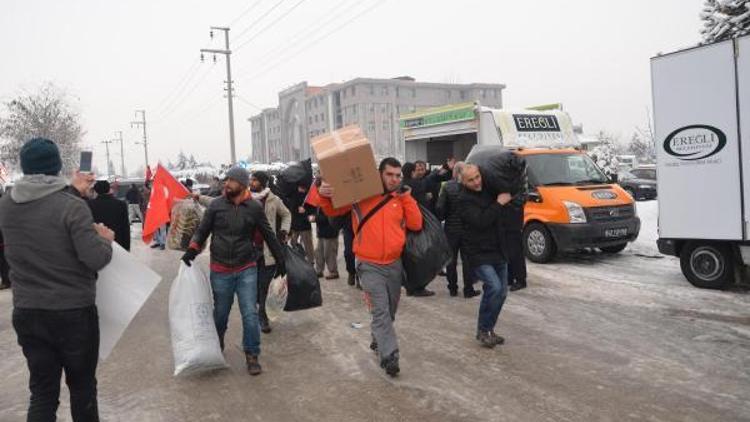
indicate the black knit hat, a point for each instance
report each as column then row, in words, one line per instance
column 40, row 156
column 262, row 177
column 102, row 187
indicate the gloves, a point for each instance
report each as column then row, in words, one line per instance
column 280, row 269
column 189, row 256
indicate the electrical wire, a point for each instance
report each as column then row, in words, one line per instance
column 257, row 21
column 179, row 101
column 248, row 10
column 274, row 22
column 191, row 72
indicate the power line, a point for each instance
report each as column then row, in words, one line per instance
column 242, row 15
column 275, row 21
column 309, row 30
column 241, row 98
column 267, row 69
column 191, row 72
column 257, row 21
column 178, row 101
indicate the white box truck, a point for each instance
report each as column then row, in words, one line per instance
column 701, row 103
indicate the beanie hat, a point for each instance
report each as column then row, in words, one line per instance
column 102, row 187
column 239, row 175
column 262, row 177
column 40, row 156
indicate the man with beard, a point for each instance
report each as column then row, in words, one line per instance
column 280, row 219
column 233, row 221
column 378, row 247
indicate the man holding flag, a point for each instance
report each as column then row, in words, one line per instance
column 238, row 226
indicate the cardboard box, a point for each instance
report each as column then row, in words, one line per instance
column 347, row 162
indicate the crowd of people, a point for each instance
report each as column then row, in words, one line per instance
column 248, row 224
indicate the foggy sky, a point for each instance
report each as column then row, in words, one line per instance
column 116, row 57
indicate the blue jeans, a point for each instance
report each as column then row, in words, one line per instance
column 160, row 237
column 494, row 292
column 245, row 285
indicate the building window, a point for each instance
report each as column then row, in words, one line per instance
column 414, row 92
column 372, row 107
column 385, row 125
column 309, row 120
column 354, row 91
column 371, row 127
column 383, row 109
column 384, row 91
column 372, row 89
column 398, row 92
column 354, row 110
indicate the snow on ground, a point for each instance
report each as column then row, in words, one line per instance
column 648, row 211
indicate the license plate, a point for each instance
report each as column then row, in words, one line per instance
column 622, row 232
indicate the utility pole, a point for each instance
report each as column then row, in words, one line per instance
column 142, row 123
column 227, row 53
column 122, row 153
column 109, row 163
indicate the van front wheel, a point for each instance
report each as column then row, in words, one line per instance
column 538, row 244
column 708, row 265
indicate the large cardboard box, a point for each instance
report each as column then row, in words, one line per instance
column 347, row 162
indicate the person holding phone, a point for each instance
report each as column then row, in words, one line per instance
column 55, row 250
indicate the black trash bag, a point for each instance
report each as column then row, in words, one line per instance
column 297, row 174
column 302, row 281
column 426, row 252
column 501, row 169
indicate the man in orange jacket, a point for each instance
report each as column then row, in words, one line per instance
column 380, row 224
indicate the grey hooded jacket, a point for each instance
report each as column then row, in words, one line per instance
column 51, row 245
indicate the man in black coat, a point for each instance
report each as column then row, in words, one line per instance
column 448, row 210
column 481, row 216
column 301, row 227
column 111, row 212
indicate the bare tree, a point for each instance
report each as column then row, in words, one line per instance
column 724, row 19
column 47, row 113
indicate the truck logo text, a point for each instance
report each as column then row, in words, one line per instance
column 695, row 142
column 536, row 123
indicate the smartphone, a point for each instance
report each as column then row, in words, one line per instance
column 85, row 166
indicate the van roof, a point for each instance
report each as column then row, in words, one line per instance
column 539, row 151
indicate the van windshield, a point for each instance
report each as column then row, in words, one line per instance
column 563, row 169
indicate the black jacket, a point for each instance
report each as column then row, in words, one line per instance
column 480, row 214
column 133, row 196
column 448, row 209
column 232, row 229
column 325, row 229
column 300, row 222
column 113, row 213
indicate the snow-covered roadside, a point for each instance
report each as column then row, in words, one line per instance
column 648, row 211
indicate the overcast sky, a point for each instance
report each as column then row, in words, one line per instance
column 116, row 57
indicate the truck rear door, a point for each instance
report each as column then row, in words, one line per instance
column 743, row 90
column 698, row 151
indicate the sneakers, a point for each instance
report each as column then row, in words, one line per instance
column 253, row 367
column 498, row 339
column 155, row 245
column 421, row 293
column 486, row 340
column 453, row 292
column 332, row 276
column 265, row 326
column 518, row 285
column 320, row 274
column 351, row 280
column 468, row 294
column 374, row 346
column 221, row 342
column 489, row 339
column 390, row 364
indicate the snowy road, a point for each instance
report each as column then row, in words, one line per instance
column 594, row 337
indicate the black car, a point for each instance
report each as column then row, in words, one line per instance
column 640, row 183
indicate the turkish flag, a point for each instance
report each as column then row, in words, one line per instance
column 164, row 192
column 313, row 196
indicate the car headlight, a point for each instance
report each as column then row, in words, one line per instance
column 575, row 212
column 645, row 187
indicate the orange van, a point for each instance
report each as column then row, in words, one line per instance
column 573, row 205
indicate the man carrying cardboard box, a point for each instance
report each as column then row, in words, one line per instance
column 378, row 247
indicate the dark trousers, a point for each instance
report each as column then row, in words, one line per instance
column 451, row 271
column 265, row 275
column 349, row 250
column 513, row 249
column 4, row 269
column 56, row 341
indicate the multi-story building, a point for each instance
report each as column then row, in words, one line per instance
column 304, row 112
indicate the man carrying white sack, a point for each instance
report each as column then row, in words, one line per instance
column 238, row 226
